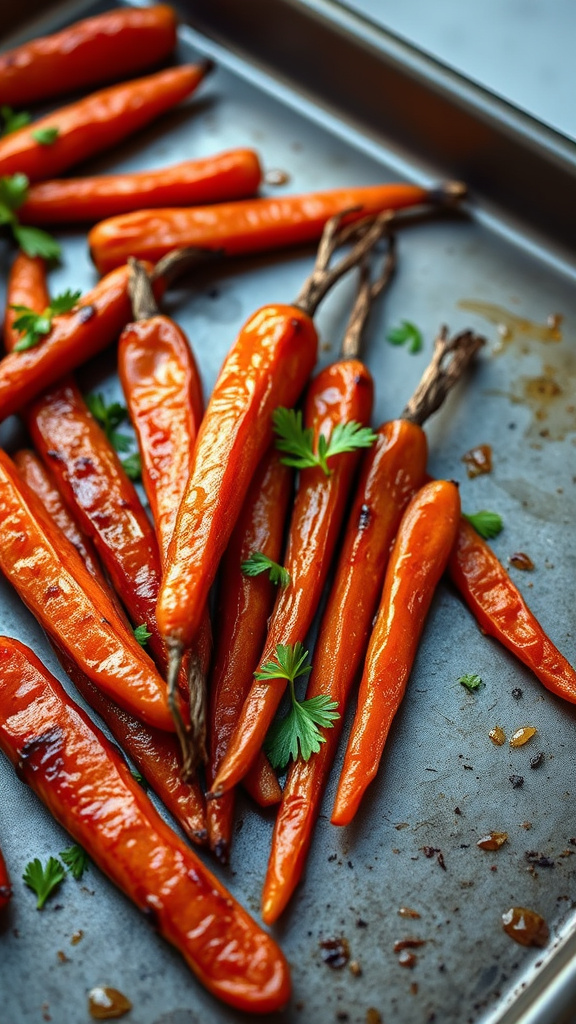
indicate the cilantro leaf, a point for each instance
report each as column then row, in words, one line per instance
column 258, row 563
column 34, row 326
column 76, row 860
column 45, row 136
column 132, row 466
column 142, row 634
column 43, row 880
column 406, row 333
column 471, row 682
column 13, row 120
column 35, row 242
column 487, row 524
column 297, row 440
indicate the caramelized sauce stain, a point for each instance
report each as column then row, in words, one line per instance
column 510, row 325
column 107, row 1003
column 525, row 926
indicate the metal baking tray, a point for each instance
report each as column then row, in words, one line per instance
column 331, row 100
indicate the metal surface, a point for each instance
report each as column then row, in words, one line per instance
column 439, row 757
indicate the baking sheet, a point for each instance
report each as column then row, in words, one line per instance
column 439, row 757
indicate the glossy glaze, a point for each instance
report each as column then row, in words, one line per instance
column 88, row 788
column 501, row 612
column 342, row 392
column 420, row 554
column 96, row 122
column 392, row 471
column 242, row 227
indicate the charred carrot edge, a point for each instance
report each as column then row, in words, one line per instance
column 88, row 788
column 5, row 886
column 232, row 175
column 340, row 393
column 244, row 604
column 75, row 611
column 251, row 225
column 420, row 555
column 27, row 286
column 501, row 612
column 392, row 471
column 89, row 52
column 96, row 122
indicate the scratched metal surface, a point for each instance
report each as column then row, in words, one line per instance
column 439, row 757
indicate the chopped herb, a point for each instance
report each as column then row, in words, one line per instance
column 45, row 136
column 406, row 333
column 132, row 465
column 258, row 563
column 12, row 120
column 13, row 192
column 76, row 860
column 139, row 778
column 43, row 880
column 35, row 242
column 298, row 732
column 471, row 682
column 297, row 440
column 34, row 326
column 32, row 241
column 487, row 524
column 142, row 634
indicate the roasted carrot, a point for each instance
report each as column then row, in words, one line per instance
column 5, row 887
column 72, row 607
column 268, row 366
column 88, row 788
column 340, row 394
column 90, row 52
column 420, row 555
column 251, row 225
column 26, row 287
column 244, row 605
column 95, row 123
column 501, row 612
column 232, row 175
column 393, row 469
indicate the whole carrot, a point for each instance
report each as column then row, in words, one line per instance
column 244, row 605
column 268, row 366
column 5, row 887
column 88, row 788
column 393, row 469
column 420, row 554
column 99, row 49
column 251, row 225
column 72, row 607
column 232, row 175
column 95, row 123
column 26, row 287
column 501, row 612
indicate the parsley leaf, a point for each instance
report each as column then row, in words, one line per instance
column 258, row 563
column 34, row 326
column 13, row 120
column 297, row 440
column 471, row 682
column 35, row 242
column 132, row 466
column 43, row 880
column 406, row 332
column 142, row 634
column 45, row 136
column 76, row 860
column 32, row 241
column 13, row 191
column 487, row 524
column 298, row 732
column 139, row 778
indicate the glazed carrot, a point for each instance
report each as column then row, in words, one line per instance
column 251, row 225
column 5, row 887
column 26, row 287
column 268, row 366
column 501, row 612
column 96, row 122
column 393, row 469
column 420, row 554
column 244, row 605
column 232, row 175
column 100, row 49
column 88, row 788
column 75, row 611
column 75, row 337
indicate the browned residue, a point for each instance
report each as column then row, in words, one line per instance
column 478, row 460
column 525, row 926
column 492, row 841
column 511, row 326
column 520, row 560
column 497, row 735
column 106, row 1003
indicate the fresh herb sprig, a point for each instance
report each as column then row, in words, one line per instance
column 258, row 563
column 32, row 241
column 487, row 524
column 298, row 441
column 13, row 120
column 142, row 634
column 110, row 417
column 298, row 732
column 76, row 860
column 43, row 880
column 471, row 682
column 35, row 326
column 406, row 334
column 45, row 136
